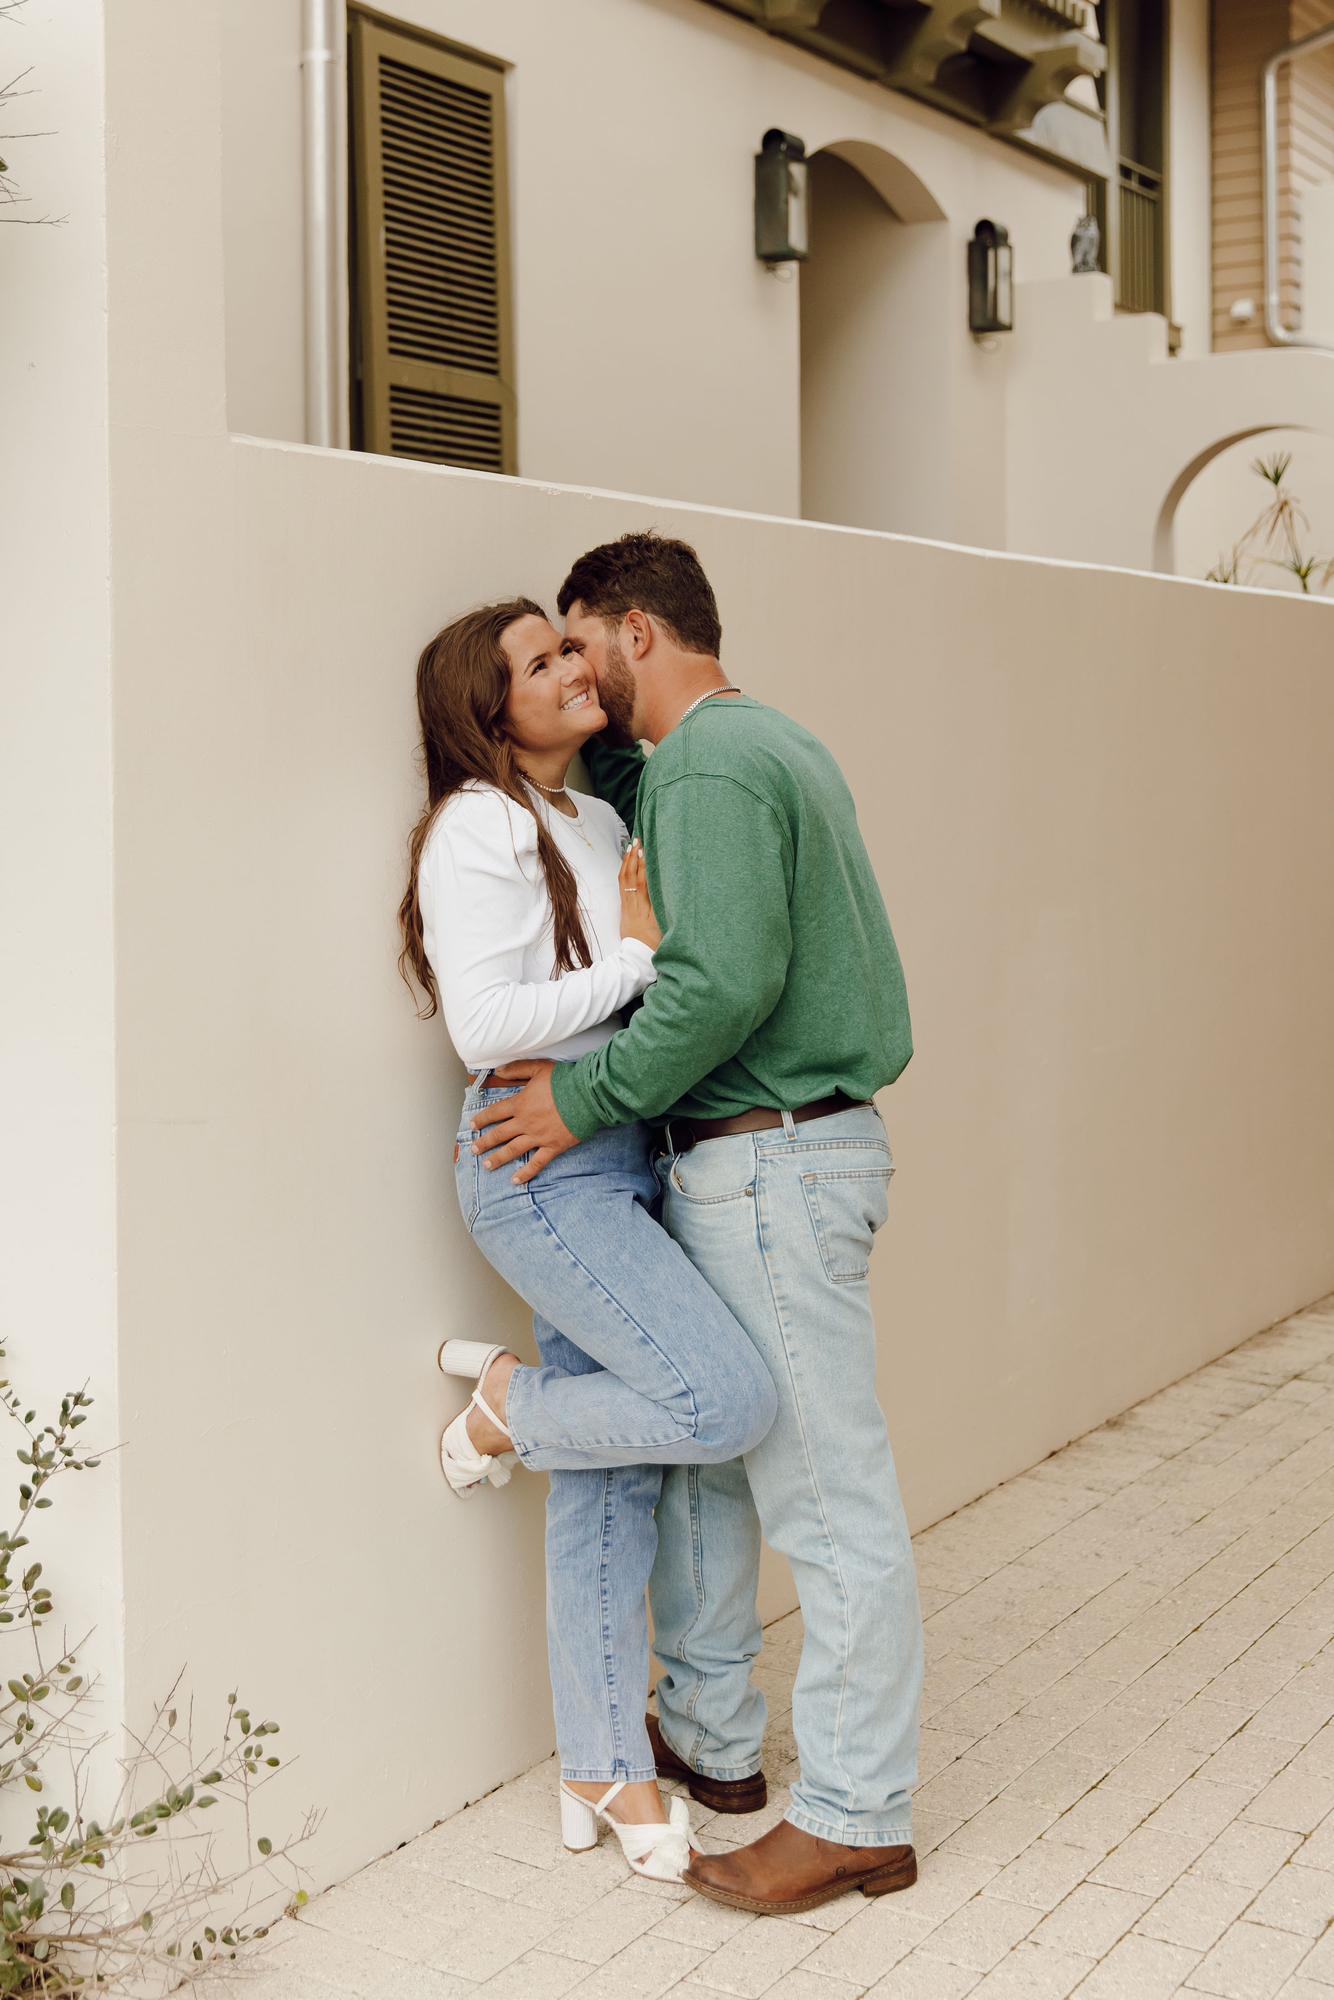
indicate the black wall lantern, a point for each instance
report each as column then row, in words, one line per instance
column 782, row 199
column 991, row 280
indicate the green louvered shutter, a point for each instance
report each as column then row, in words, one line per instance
column 432, row 339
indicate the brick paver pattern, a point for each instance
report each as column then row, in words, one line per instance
column 1127, row 1774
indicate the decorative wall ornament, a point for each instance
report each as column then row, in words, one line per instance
column 944, row 32
column 1086, row 245
column 1050, row 72
column 1006, row 66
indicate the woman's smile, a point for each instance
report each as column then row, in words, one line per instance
column 578, row 705
column 553, row 700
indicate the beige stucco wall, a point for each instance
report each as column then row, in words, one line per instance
column 654, row 354
column 1227, row 497
column 1103, row 833
column 58, row 1305
column 1115, row 1149
column 1190, row 192
column 1136, row 427
column 873, row 299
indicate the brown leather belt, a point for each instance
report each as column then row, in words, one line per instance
column 683, row 1133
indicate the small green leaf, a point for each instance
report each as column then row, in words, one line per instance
column 264, row 1846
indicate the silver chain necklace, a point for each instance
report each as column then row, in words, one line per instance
column 731, row 688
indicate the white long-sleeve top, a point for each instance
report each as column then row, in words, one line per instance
column 486, row 919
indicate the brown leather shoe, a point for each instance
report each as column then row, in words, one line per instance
column 786, row 1871
column 723, row 1795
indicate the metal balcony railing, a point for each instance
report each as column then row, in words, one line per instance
column 1138, row 242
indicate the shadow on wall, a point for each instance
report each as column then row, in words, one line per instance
column 874, row 367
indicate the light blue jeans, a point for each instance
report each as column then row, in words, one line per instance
column 781, row 1224
column 642, row 1367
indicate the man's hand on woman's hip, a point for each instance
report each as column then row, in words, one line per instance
column 527, row 1123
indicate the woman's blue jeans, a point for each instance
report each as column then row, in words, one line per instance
column 643, row 1366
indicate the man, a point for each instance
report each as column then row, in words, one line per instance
column 778, row 1010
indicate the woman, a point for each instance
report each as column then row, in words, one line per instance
column 523, row 922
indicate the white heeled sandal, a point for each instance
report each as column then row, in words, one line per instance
column 660, row 1849
column 463, row 1465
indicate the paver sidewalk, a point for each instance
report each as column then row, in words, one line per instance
column 1127, row 1760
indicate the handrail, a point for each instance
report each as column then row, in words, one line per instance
column 1280, row 335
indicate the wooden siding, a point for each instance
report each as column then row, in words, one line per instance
column 1246, row 32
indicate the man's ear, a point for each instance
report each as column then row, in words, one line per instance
column 640, row 628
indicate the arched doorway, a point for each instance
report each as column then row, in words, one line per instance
column 874, row 354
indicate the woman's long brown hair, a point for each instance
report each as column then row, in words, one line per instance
column 463, row 681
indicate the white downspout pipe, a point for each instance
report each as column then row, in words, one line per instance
column 318, row 73
column 1280, row 335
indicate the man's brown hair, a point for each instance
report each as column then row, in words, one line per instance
column 652, row 573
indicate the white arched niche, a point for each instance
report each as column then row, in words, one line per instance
column 1218, row 496
column 875, row 356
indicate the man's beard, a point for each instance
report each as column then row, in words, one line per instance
column 616, row 692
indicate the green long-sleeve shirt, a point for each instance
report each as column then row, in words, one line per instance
column 778, row 979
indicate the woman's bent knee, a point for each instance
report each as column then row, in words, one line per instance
column 746, row 1420
column 764, row 1409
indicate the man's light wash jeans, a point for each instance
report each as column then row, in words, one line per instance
column 643, row 1367
column 781, row 1224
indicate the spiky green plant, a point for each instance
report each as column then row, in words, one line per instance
column 1282, row 527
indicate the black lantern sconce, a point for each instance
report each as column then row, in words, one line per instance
column 782, row 199
column 990, row 280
